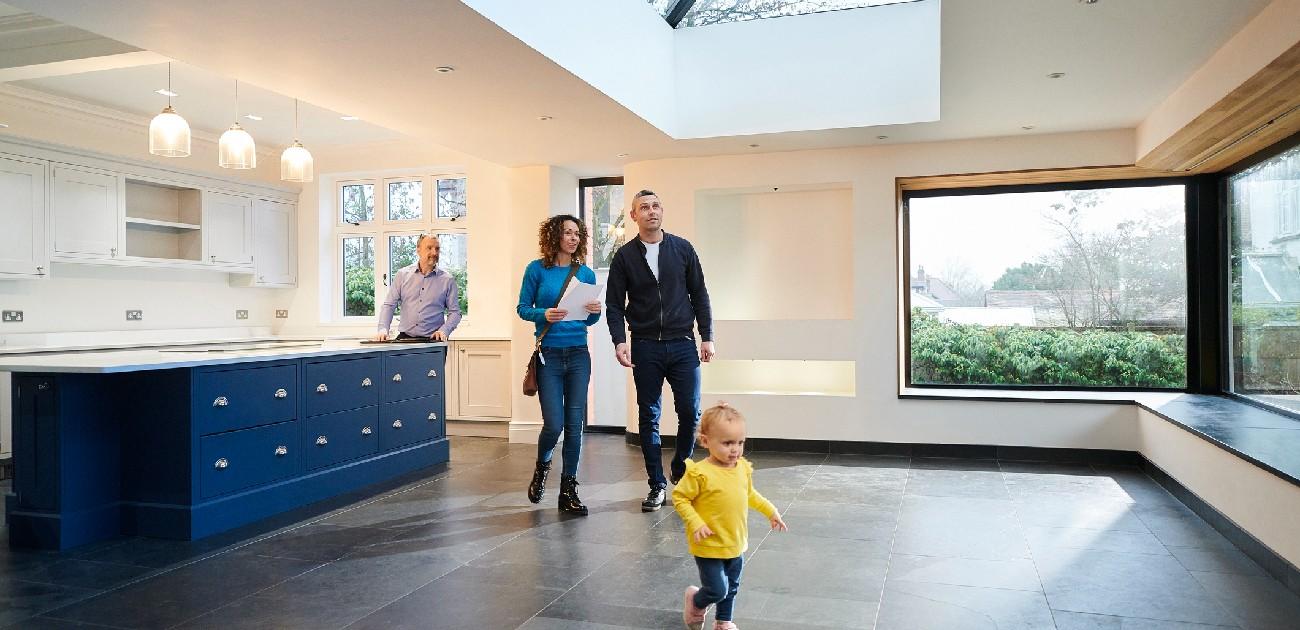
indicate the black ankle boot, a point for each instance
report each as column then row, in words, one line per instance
column 537, row 488
column 569, row 501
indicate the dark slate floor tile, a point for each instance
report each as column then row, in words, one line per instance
column 920, row 606
column 830, row 520
column 795, row 611
column 955, row 463
column 1050, row 538
column 1037, row 511
column 1257, row 603
column 81, row 573
column 187, row 592
column 957, row 483
column 960, row 527
column 48, row 623
column 1184, row 531
column 573, row 610
column 801, row 573
column 1216, row 561
column 477, row 605
column 1087, row 621
column 19, row 600
column 1019, row 575
column 1126, row 585
column 318, row 542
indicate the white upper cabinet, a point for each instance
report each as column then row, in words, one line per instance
column 274, row 255
column 228, row 228
column 87, row 213
column 22, row 213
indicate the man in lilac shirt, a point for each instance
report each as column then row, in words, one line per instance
column 428, row 295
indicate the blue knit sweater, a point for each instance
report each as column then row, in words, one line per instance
column 541, row 290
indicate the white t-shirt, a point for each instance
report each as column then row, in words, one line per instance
column 652, row 257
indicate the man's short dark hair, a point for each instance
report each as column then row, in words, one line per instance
column 643, row 193
column 424, row 235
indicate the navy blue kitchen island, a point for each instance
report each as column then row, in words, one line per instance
column 185, row 443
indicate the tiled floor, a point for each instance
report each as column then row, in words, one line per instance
column 889, row 543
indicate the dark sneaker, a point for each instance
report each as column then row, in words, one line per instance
column 654, row 500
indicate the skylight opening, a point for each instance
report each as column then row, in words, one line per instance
column 683, row 13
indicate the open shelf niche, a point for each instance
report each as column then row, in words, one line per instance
column 163, row 221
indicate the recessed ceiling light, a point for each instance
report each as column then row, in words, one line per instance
column 348, row 118
column 882, row 137
column 166, row 92
column 753, row 146
column 1026, row 127
column 1056, row 75
column 622, row 155
column 544, row 118
column 444, row 69
column 1087, row 1
column 252, row 116
column 4, row 126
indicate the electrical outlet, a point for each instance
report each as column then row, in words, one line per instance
column 134, row 316
column 241, row 314
column 282, row 313
column 13, row 316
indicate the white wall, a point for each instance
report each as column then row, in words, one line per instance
column 869, row 337
column 874, row 66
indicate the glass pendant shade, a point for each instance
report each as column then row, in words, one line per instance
column 169, row 134
column 236, row 149
column 296, row 164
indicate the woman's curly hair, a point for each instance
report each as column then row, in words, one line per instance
column 550, row 233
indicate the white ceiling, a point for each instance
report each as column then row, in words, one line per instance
column 1121, row 59
column 207, row 102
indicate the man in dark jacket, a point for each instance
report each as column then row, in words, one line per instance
column 656, row 285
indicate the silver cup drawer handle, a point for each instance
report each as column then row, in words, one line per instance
column 281, row 393
column 397, row 378
column 221, row 401
column 322, row 388
column 365, row 382
column 221, row 464
column 366, row 430
column 281, row 451
column 433, row 415
column 322, row 440
column 397, row 424
column 433, row 373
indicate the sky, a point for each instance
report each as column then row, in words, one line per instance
column 990, row 233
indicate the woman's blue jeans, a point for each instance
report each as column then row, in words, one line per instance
column 562, row 391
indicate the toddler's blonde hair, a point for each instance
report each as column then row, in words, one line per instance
column 721, row 412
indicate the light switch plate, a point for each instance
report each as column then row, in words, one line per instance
column 134, row 316
column 241, row 314
column 13, row 316
column 282, row 313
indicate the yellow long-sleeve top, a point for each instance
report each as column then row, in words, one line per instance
column 721, row 498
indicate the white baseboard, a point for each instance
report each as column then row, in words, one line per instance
column 497, row 428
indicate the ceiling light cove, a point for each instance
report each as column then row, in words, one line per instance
column 1056, row 75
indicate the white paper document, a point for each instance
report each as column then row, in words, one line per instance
column 576, row 297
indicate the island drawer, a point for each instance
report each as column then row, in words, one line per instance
column 246, row 458
column 340, row 437
column 413, row 374
column 410, row 421
column 333, row 386
column 229, row 399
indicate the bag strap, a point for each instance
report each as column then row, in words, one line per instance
column 573, row 271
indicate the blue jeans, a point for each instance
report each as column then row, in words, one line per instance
column 562, row 391
column 719, row 583
column 678, row 361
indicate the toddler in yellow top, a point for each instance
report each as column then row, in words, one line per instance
column 713, row 498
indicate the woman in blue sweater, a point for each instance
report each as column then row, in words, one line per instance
column 565, row 372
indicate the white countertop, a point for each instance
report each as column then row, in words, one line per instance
column 166, row 357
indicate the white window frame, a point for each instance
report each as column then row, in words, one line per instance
column 381, row 228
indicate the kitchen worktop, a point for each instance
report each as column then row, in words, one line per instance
column 162, row 357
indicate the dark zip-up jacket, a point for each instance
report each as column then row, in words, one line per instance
column 668, row 308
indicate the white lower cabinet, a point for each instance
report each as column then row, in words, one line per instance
column 22, row 213
column 483, row 385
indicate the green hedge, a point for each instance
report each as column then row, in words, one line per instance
column 946, row 353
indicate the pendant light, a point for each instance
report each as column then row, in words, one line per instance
column 169, row 134
column 296, row 164
column 236, row 148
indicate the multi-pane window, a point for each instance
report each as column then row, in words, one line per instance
column 600, row 203
column 1264, row 334
column 1084, row 286
column 377, row 235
